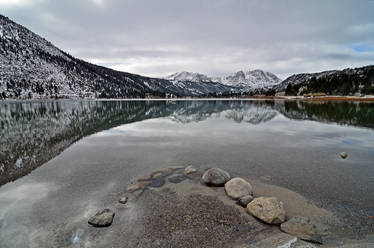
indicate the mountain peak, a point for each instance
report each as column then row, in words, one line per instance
column 189, row 76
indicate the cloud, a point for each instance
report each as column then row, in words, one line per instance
column 16, row 3
column 218, row 37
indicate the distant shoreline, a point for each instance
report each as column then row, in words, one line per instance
column 249, row 98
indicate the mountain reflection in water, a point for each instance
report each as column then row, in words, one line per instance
column 32, row 133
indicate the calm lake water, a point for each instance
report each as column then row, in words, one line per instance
column 61, row 159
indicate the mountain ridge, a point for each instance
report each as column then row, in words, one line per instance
column 349, row 81
column 32, row 67
column 243, row 81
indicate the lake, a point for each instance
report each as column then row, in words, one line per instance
column 61, row 159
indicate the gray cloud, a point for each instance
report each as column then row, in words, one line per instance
column 215, row 37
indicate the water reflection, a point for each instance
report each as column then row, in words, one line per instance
column 32, row 133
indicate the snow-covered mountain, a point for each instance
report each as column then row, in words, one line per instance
column 256, row 79
column 241, row 81
column 189, row 76
column 32, row 67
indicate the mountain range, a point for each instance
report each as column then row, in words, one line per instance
column 32, row 67
column 242, row 81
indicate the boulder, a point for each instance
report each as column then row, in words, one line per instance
column 267, row 209
column 215, row 177
column 102, row 218
column 189, row 170
column 237, row 188
column 303, row 228
column 243, row 201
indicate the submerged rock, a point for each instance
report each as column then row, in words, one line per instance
column 302, row 228
column 145, row 178
column 189, row 170
column 135, row 194
column 162, row 172
column 215, row 177
column 343, row 155
column 143, row 184
column 177, row 178
column 132, row 188
column 157, row 175
column 238, row 187
column 243, row 201
column 267, row 209
column 102, row 218
column 157, row 182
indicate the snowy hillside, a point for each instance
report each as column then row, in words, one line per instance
column 350, row 81
column 31, row 67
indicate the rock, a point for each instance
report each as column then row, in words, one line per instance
column 162, row 172
column 267, row 209
column 157, row 175
column 123, row 200
column 343, row 155
column 238, row 187
column 143, row 184
column 215, row 177
column 145, row 178
column 302, row 228
column 132, row 188
column 243, row 201
column 177, row 178
column 137, row 193
column 102, row 218
column 157, row 182
column 189, row 170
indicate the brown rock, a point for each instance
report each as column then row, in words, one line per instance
column 238, row 187
column 102, row 218
column 267, row 209
column 145, row 178
column 143, row 184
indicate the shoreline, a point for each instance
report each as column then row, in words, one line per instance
column 253, row 98
column 173, row 211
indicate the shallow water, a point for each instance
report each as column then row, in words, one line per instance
column 61, row 160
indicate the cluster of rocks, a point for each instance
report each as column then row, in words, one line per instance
column 268, row 209
column 157, row 179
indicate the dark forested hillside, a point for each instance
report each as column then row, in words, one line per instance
column 345, row 82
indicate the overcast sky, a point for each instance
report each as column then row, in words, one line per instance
column 214, row 37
